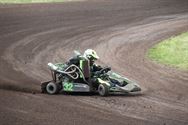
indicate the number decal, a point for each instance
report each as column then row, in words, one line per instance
column 68, row 86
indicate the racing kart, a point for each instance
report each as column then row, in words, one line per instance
column 74, row 78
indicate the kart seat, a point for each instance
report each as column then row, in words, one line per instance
column 84, row 65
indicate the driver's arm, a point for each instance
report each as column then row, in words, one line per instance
column 97, row 67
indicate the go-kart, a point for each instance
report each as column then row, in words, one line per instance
column 77, row 78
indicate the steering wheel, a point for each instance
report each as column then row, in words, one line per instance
column 105, row 69
column 102, row 72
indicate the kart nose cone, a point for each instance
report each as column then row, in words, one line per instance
column 136, row 89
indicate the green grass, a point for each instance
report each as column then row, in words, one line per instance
column 173, row 51
column 29, row 1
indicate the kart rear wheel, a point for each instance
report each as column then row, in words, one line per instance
column 103, row 90
column 52, row 88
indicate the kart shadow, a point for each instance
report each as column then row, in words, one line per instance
column 127, row 94
column 79, row 93
column 96, row 94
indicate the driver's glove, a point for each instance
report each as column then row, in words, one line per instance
column 97, row 73
column 108, row 68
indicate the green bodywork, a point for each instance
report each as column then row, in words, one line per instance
column 81, row 66
column 118, row 77
column 114, row 89
column 67, row 86
column 99, row 80
column 61, row 66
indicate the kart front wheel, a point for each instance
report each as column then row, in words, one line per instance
column 103, row 90
column 52, row 88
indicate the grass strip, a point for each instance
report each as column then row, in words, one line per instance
column 173, row 51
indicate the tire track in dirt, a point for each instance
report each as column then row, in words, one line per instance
column 134, row 42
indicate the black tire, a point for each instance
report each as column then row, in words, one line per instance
column 52, row 88
column 103, row 90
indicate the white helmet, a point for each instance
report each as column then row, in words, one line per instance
column 91, row 54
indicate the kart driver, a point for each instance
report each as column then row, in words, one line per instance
column 89, row 55
column 92, row 56
column 95, row 69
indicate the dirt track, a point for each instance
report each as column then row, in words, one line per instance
column 120, row 31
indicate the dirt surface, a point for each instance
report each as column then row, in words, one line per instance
column 120, row 31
